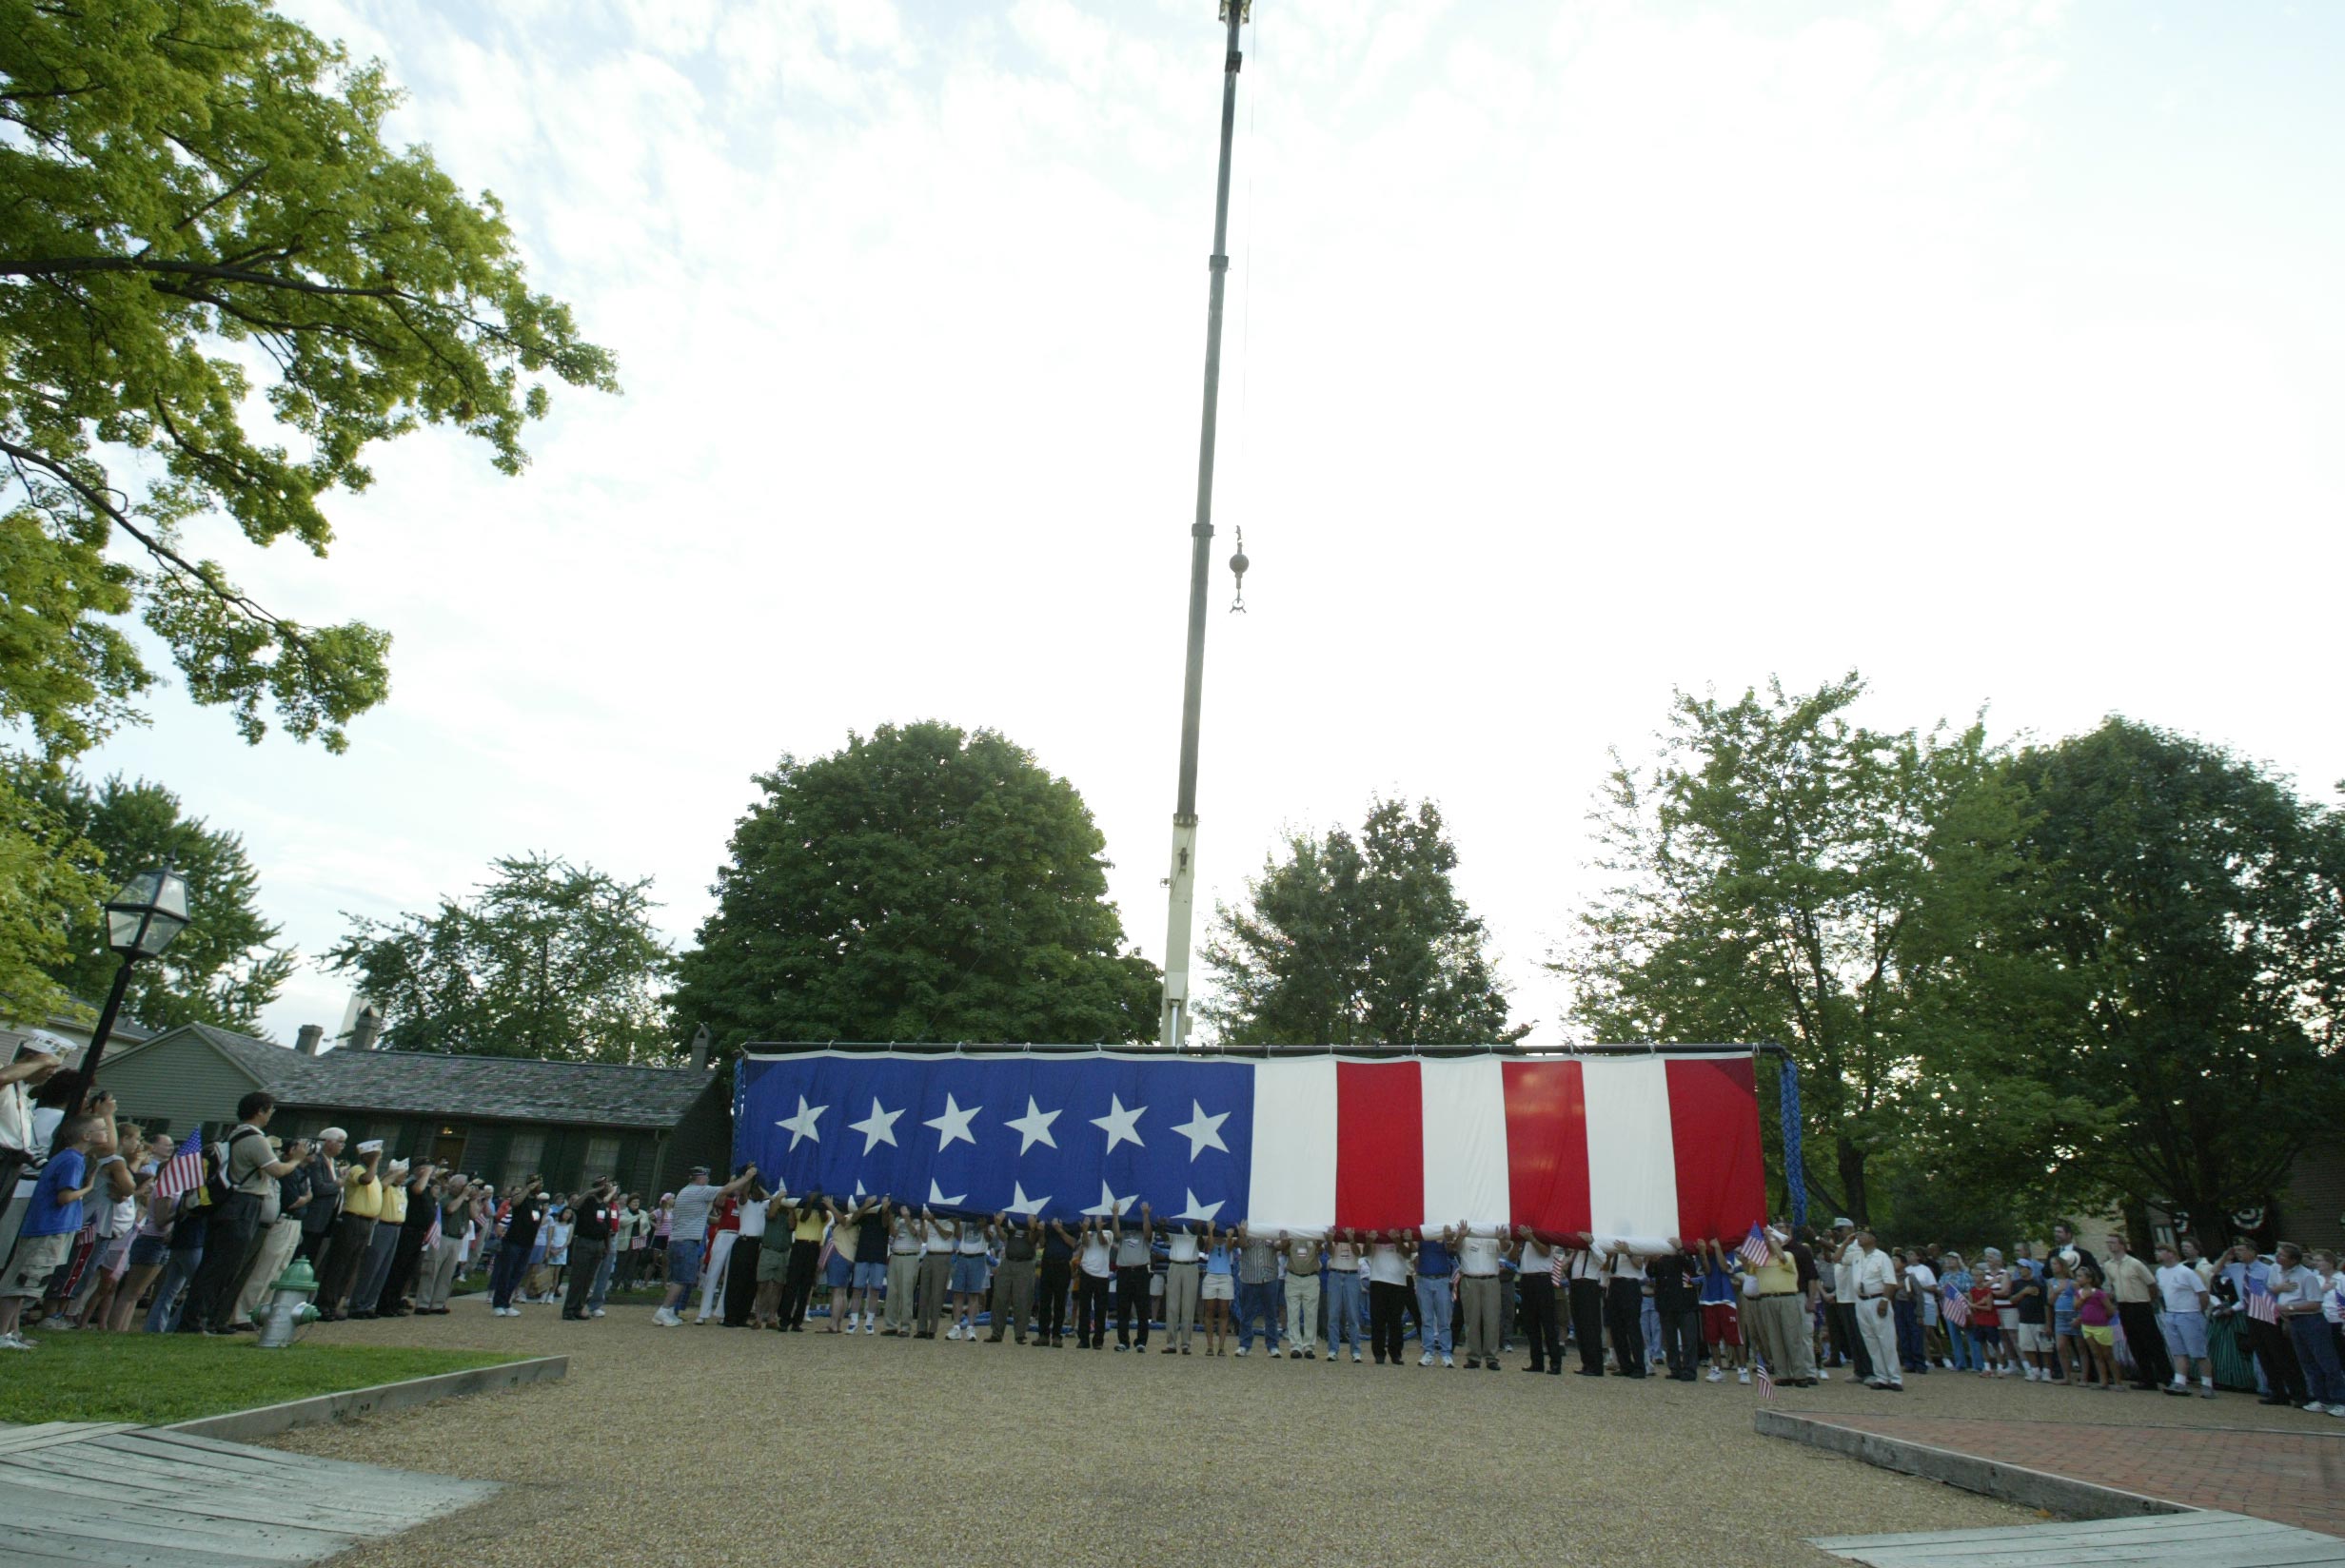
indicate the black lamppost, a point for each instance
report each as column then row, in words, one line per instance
column 140, row 922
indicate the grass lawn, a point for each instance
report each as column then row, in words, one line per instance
column 159, row 1378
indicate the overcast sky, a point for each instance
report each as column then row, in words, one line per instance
column 1575, row 353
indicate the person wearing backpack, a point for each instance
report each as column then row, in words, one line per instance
column 246, row 1173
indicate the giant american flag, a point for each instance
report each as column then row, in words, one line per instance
column 1638, row 1148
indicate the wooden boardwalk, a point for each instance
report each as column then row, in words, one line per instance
column 2191, row 1539
column 101, row 1495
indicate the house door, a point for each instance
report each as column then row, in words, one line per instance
column 447, row 1151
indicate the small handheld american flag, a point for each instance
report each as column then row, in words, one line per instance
column 1764, row 1379
column 184, row 1170
column 1754, row 1248
column 2261, row 1304
column 1957, row 1307
column 431, row 1236
column 1555, row 1268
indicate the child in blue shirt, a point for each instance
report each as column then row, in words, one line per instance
column 1722, row 1318
column 52, row 1220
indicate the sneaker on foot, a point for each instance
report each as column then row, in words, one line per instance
column 1446, row 1361
column 1355, row 1357
column 1426, row 1360
column 1718, row 1374
column 1241, row 1350
column 1742, row 1374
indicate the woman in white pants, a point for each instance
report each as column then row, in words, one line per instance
column 725, row 1226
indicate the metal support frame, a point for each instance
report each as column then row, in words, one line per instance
column 1182, row 885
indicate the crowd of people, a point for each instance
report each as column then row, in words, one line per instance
column 106, row 1242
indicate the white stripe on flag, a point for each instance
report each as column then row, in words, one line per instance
column 1465, row 1143
column 1293, row 1178
column 1631, row 1162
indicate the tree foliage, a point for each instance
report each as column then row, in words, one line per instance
column 921, row 884
column 2199, row 906
column 203, row 214
column 1781, row 873
column 44, row 884
column 1358, row 942
column 551, row 960
column 225, row 969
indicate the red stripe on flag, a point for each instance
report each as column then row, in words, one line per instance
column 1379, row 1146
column 1547, row 1145
column 1714, row 1133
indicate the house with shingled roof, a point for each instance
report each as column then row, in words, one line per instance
column 495, row 1117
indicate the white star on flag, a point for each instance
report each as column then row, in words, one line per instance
column 1123, row 1127
column 1034, row 1127
column 952, row 1123
column 937, row 1200
column 1021, row 1203
column 1109, row 1206
column 1195, row 1210
column 1202, row 1131
column 802, row 1124
column 858, row 1183
column 877, row 1128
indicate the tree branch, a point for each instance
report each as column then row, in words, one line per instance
column 67, row 266
column 295, row 642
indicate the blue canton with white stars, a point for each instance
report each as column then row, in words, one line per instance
column 1056, row 1136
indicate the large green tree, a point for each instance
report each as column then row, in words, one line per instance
column 922, row 884
column 2199, row 903
column 1782, row 873
column 1357, row 942
column 203, row 218
column 225, row 968
column 550, row 960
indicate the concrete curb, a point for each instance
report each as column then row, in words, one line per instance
column 266, row 1420
column 2029, row 1488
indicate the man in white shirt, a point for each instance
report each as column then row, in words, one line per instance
column 1585, row 1271
column 1873, row 1285
column 1478, row 1259
column 1846, row 1332
column 1624, row 1308
column 938, row 1240
column 2185, row 1295
column 903, row 1271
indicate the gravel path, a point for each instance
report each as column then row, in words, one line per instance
column 716, row 1446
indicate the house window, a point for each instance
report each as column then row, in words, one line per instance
column 521, row 1158
column 601, row 1157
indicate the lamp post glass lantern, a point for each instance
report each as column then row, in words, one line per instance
column 146, row 913
column 140, row 922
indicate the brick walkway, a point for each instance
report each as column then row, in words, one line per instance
column 2292, row 1477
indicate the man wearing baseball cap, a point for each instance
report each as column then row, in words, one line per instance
column 687, row 1230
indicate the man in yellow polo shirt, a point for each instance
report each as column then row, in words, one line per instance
column 354, row 1232
column 813, row 1213
column 1775, row 1310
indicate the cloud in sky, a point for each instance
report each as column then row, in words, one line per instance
column 1574, row 352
